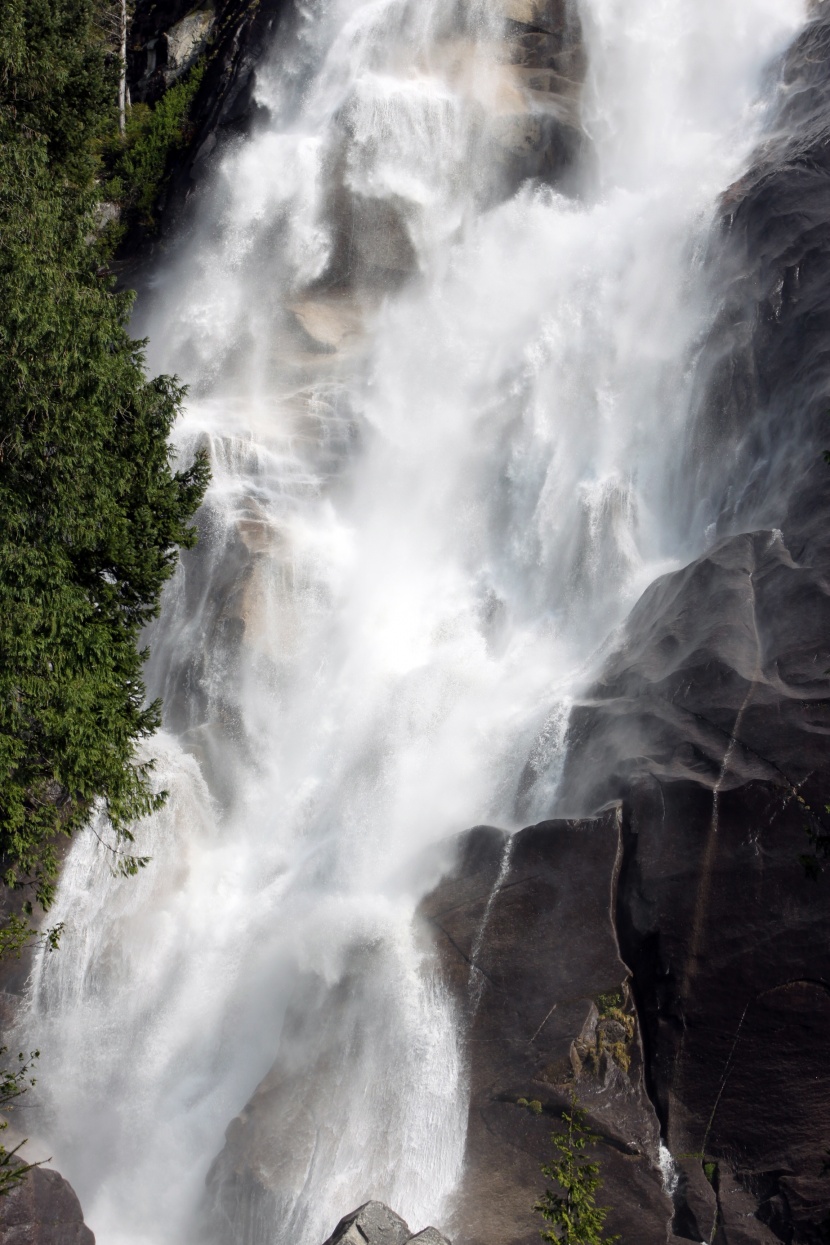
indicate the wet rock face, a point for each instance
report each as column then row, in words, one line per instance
column 544, row 43
column 518, row 91
column 763, row 419
column 711, row 724
column 726, row 938
column 525, row 931
column 525, row 84
column 720, row 681
column 43, row 1210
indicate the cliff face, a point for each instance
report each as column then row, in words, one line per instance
column 228, row 38
column 526, row 933
column 709, row 725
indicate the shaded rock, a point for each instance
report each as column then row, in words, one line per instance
column 695, row 1202
column 43, row 1210
column 711, row 723
column 371, row 1224
column 762, row 419
column 719, row 680
column 525, row 931
column 375, row 1224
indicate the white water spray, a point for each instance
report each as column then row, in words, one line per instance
column 443, row 425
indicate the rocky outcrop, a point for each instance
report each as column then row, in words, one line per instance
column 375, row 1224
column 43, row 1210
column 711, row 723
column 163, row 46
column 720, row 681
column 525, row 928
column 688, row 902
column 545, row 46
column 711, row 720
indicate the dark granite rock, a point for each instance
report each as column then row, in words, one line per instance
column 753, row 458
column 526, row 934
column 711, row 723
column 43, row 1210
column 727, row 941
column 719, row 680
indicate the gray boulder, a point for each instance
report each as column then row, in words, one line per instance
column 429, row 1236
column 375, row 1224
column 371, row 1224
column 43, row 1210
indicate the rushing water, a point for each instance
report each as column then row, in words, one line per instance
column 445, row 412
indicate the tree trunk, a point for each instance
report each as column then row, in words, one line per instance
column 123, row 93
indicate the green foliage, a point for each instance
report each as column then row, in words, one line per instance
column 91, row 509
column 614, row 1033
column 14, row 1081
column 17, row 933
column 140, row 163
column 534, row 1106
column 710, row 1171
column 569, row 1206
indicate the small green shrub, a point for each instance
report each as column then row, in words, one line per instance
column 139, row 163
column 569, row 1206
column 14, row 1081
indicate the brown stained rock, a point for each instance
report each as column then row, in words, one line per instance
column 43, row 1210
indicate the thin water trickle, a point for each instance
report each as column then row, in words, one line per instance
column 445, row 409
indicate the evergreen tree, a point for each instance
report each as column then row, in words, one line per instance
column 14, row 1082
column 570, row 1206
column 92, row 510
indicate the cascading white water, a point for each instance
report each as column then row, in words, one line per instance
column 434, row 498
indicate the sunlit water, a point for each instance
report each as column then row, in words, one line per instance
column 445, row 428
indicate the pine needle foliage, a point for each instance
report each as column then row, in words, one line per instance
column 140, row 163
column 569, row 1205
column 14, row 1081
column 92, row 510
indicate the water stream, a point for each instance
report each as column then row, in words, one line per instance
column 445, row 408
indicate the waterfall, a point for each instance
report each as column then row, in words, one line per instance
column 445, row 404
